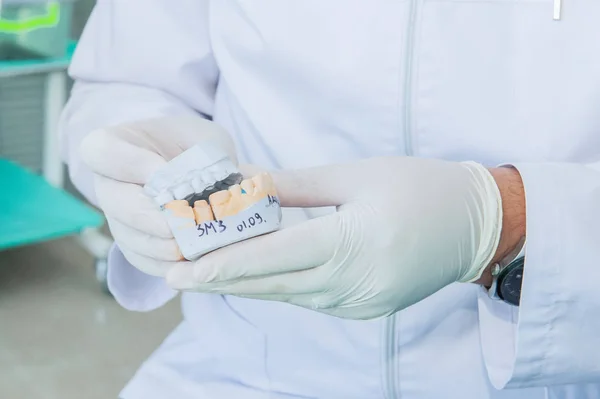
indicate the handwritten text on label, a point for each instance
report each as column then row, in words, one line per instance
column 252, row 221
column 273, row 200
column 217, row 226
column 211, row 228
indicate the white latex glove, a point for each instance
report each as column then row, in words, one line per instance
column 405, row 228
column 123, row 158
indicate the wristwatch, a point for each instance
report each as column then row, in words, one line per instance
column 507, row 276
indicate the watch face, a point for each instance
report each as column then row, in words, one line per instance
column 509, row 286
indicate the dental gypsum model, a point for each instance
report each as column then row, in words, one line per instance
column 208, row 205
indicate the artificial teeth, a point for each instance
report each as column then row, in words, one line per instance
column 203, row 212
column 183, row 215
column 219, row 202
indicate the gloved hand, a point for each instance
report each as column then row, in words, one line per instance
column 404, row 229
column 123, row 158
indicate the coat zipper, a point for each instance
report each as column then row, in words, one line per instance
column 389, row 361
column 408, row 76
column 390, row 340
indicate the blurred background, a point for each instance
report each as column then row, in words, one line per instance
column 61, row 333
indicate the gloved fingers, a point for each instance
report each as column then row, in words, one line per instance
column 325, row 297
column 148, row 265
column 313, row 187
column 280, row 287
column 132, row 152
column 177, row 133
column 324, row 300
column 327, row 185
column 340, row 313
column 310, row 301
column 109, row 154
column 128, row 204
column 310, row 187
column 299, row 247
column 158, row 248
column 357, row 312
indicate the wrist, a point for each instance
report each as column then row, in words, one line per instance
column 512, row 194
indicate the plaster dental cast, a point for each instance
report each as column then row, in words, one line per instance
column 208, row 205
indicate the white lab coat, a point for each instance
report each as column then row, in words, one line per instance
column 301, row 83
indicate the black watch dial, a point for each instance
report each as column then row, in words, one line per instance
column 510, row 281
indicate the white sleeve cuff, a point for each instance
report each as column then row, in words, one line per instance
column 133, row 289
